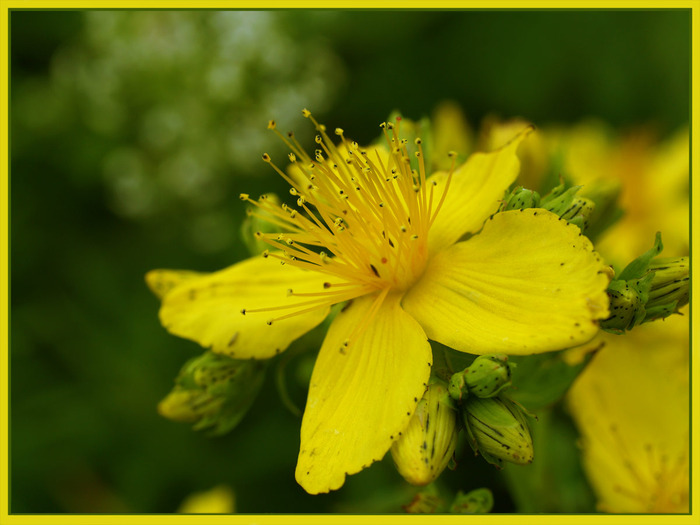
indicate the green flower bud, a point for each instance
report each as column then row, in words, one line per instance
column 564, row 202
column 579, row 212
column 626, row 306
column 259, row 220
column 486, row 377
column 213, row 391
column 426, row 446
column 479, row 501
column 670, row 286
column 498, row 430
column 520, row 199
column 648, row 288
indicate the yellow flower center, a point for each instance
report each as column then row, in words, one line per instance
column 362, row 215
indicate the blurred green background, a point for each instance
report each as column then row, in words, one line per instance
column 132, row 133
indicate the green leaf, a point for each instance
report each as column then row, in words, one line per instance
column 541, row 380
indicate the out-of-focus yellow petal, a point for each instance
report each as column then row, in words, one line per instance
column 218, row 500
column 495, row 132
column 362, row 397
column 208, row 309
column 655, row 197
column 528, row 283
column 475, row 192
column 631, row 407
column 450, row 133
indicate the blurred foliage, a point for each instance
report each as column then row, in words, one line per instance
column 131, row 134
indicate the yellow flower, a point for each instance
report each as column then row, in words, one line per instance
column 372, row 231
column 631, row 405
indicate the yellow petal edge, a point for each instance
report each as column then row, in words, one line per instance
column 209, row 308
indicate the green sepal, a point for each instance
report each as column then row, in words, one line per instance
column 555, row 193
column 660, row 312
column 637, row 268
column 560, row 200
column 564, row 202
column 521, row 198
column 670, row 287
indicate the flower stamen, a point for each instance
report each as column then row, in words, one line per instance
column 369, row 214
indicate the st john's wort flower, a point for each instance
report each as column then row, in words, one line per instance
column 379, row 233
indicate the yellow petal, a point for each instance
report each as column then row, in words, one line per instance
column 528, row 283
column 475, row 192
column 361, row 398
column 208, row 309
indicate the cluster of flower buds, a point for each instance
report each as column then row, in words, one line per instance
column 496, row 426
column 592, row 213
column 426, row 447
column 670, row 286
column 561, row 200
column 648, row 288
column 213, row 392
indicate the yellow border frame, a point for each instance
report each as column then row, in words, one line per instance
column 175, row 519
